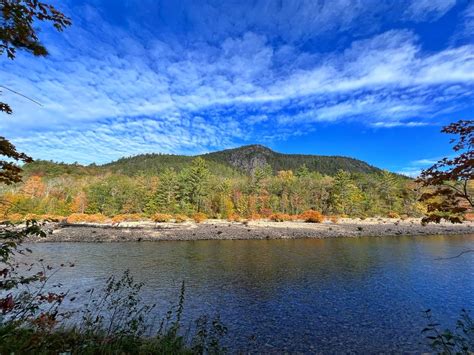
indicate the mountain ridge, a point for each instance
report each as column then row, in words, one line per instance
column 230, row 162
column 245, row 159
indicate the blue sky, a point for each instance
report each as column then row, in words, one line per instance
column 371, row 79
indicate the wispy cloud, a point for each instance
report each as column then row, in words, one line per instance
column 119, row 90
column 422, row 10
column 415, row 167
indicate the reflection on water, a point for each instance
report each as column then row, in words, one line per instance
column 361, row 294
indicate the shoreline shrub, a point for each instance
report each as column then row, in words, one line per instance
column 161, row 217
column 234, row 217
column 280, row 217
column 311, row 216
column 266, row 212
column 87, row 218
column 254, row 217
column 14, row 217
column 180, row 218
column 128, row 217
column 199, row 217
column 393, row 214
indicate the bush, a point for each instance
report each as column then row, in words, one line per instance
column 392, row 214
column 32, row 216
column 234, row 217
column 266, row 212
column 161, row 217
column 280, row 217
column 42, row 217
column 311, row 216
column 199, row 217
column 88, row 218
column 254, row 217
column 333, row 219
column 469, row 216
column 15, row 217
column 180, row 218
column 132, row 217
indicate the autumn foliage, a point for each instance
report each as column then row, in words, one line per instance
column 449, row 190
column 161, row 217
column 180, row 218
column 86, row 218
column 199, row 217
column 129, row 217
column 311, row 216
column 65, row 189
column 392, row 214
column 234, row 217
column 280, row 217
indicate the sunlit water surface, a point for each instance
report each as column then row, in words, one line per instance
column 329, row 295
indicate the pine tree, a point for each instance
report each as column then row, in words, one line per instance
column 165, row 197
column 346, row 197
column 195, row 184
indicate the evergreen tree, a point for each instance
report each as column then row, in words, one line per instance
column 303, row 171
column 346, row 197
column 165, row 197
column 195, row 184
column 388, row 191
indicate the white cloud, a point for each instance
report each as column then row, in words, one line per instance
column 415, row 167
column 410, row 172
column 467, row 30
column 398, row 124
column 185, row 96
column 109, row 141
column 428, row 10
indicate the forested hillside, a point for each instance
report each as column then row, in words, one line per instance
column 248, row 158
column 243, row 160
column 249, row 182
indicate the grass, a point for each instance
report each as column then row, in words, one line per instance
column 112, row 321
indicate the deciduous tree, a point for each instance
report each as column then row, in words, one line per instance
column 450, row 180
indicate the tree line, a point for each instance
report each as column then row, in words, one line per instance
column 194, row 189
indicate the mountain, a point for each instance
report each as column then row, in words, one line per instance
column 242, row 160
column 229, row 162
column 250, row 157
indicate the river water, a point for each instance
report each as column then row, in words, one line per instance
column 322, row 295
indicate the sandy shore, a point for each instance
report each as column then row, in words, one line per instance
column 218, row 229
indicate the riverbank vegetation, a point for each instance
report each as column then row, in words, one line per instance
column 195, row 190
column 40, row 316
column 216, row 186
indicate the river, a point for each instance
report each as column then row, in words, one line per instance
column 322, row 295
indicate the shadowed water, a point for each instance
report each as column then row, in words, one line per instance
column 330, row 295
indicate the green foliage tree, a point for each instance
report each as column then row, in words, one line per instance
column 388, row 191
column 346, row 197
column 302, row 171
column 165, row 197
column 259, row 176
column 195, row 184
column 115, row 194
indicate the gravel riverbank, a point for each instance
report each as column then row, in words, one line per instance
column 218, row 229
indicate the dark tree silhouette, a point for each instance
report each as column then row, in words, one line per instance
column 451, row 179
column 17, row 19
column 9, row 171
